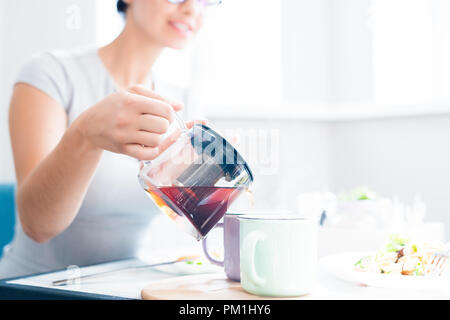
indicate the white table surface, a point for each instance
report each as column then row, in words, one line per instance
column 128, row 284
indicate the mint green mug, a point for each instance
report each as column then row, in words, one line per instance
column 278, row 255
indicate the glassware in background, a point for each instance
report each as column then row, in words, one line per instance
column 360, row 219
column 317, row 206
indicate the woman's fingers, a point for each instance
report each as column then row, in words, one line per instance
column 146, row 139
column 146, row 143
column 169, row 140
column 146, row 105
column 141, row 90
column 151, row 123
column 234, row 140
column 140, row 152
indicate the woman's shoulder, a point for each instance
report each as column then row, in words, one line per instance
column 52, row 71
column 61, row 57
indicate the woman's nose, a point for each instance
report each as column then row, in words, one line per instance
column 190, row 7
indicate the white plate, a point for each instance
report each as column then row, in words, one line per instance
column 183, row 268
column 341, row 265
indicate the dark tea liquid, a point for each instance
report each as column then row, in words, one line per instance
column 202, row 206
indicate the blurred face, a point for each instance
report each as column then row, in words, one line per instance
column 169, row 25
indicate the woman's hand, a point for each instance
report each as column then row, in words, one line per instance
column 130, row 122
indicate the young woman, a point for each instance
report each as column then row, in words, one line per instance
column 79, row 119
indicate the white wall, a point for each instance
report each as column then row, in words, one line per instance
column 27, row 27
column 400, row 156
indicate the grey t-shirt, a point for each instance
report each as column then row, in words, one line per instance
column 115, row 213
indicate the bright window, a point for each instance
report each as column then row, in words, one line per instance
column 257, row 57
column 235, row 61
column 238, row 58
column 411, row 51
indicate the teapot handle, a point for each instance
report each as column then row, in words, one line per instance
column 205, row 249
column 181, row 122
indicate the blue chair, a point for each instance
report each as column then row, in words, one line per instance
column 7, row 214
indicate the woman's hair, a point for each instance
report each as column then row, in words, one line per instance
column 122, row 6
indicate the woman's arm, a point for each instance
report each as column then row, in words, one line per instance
column 55, row 163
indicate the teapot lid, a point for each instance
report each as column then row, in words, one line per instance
column 211, row 144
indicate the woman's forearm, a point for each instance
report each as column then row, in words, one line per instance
column 49, row 198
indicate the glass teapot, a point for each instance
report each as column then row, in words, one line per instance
column 196, row 179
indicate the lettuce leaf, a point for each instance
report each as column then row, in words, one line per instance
column 396, row 243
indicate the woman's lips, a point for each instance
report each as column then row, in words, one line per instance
column 182, row 27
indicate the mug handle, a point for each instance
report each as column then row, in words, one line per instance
column 249, row 246
column 205, row 249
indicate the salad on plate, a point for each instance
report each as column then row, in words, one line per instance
column 401, row 256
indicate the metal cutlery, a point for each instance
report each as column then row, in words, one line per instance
column 73, row 280
column 438, row 264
